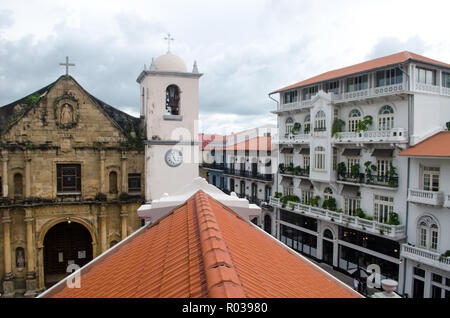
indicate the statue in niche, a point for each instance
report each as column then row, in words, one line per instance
column 20, row 257
column 66, row 115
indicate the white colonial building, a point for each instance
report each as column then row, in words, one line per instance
column 342, row 188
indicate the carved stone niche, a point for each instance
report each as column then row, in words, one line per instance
column 66, row 110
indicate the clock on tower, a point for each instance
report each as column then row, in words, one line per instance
column 169, row 104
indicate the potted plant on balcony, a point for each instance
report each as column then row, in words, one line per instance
column 444, row 255
column 297, row 170
column 338, row 125
column 307, row 129
column 296, row 128
column 369, row 168
column 341, row 170
column 360, row 213
column 278, row 195
column 448, row 125
column 290, row 168
column 281, row 167
column 292, row 198
column 314, row 201
column 392, row 175
column 329, row 204
column 354, row 172
column 393, row 219
column 364, row 124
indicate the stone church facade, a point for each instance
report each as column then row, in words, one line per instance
column 72, row 179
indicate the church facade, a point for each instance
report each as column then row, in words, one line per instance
column 72, row 179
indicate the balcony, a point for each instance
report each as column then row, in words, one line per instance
column 426, row 257
column 435, row 198
column 369, row 179
column 447, row 201
column 249, row 174
column 213, row 166
column 297, row 171
column 290, row 139
column 396, row 135
column 294, row 106
column 395, row 232
column 369, row 93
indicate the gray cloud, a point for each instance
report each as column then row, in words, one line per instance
column 390, row 45
column 6, row 19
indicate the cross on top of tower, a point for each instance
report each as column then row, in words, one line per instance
column 67, row 64
column 168, row 38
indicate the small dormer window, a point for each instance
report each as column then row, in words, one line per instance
column 173, row 100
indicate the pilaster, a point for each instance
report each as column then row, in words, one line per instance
column 31, row 281
column 124, row 172
column 5, row 172
column 8, row 279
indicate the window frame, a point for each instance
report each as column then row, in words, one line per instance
column 134, row 175
column 60, row 178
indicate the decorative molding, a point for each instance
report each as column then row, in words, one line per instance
column 66, row 111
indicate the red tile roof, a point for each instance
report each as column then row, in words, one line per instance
column 365, row 66
column 435, row 146
column 202, row 249
column 206, row 139
column 257, row 143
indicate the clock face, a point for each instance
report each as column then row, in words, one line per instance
column 174, row 157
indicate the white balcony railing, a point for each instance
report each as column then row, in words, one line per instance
column 369, row 226
column 447, row 201
column 369, row 93
column 435, row 89
column 396, row 135
column 294, row 139
column 426, row 257
column 435, row 198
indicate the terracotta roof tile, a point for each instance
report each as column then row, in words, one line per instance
column 393, row 59
column 437, row 145
column 256, row 143
column 202, row 249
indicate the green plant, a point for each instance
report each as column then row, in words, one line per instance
column 339, row 210
column 392, row 174
column 314, row 201
column 360, row 213
column 278, row 195
column 393, row 219
column 297, row 170
column 281, row 167
column 448, row 125
column 369, row 176
column 364, row 124
column 341, row 169
column 354, row 171
column 329, row 204
column 370, row 218
column 32, row 100
column 444, row 255
column 296, row 128
column 291, row 198
column 307, row 128
column 338, row 125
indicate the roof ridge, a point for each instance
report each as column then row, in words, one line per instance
column 222, row 278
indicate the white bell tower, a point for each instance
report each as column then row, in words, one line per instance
column 169, row 104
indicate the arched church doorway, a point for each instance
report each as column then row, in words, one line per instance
column 327, row 247
column 65, row 243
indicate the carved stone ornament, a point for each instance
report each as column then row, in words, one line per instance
column 66, row 111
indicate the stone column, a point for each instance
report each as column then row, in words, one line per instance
column 5, row 173
column 27, row 174
column 102, row 171
column 8, row 279
column 124, row 220
column 124, row 172
column 102, row 221
column 31, row 282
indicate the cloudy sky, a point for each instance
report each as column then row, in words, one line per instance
column 245, row 48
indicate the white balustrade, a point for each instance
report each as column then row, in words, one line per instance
column 398, row 135
column 427, row 88
column 294, row 139
column 425, row 256
column 426, row 197
column 370, row 226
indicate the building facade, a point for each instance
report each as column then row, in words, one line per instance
column 72, row 181
column 342, row 188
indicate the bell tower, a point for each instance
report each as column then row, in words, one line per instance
column 169, row 104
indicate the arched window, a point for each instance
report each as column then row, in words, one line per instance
column 319, row 122
column 353, row 120
column 289, row 125
column 327, row 193
column 173, row 100
column 307, row 124
column 328, row 234
column 428, row 233
column 113, row 182
column 319, row 162
column 386, row 118
column 18, row 185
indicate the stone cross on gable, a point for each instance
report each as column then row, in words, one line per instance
column 168, row 38
column 67, row 64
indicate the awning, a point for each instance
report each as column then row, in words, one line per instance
column 286, row 181
column 305, row 184
column 287, row 150
column 350, row 191
column 304, row 151
column 386, row 153
column 351, row 152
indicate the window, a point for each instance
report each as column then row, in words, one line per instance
column 382, row 207
column 334, row 159
column 289, row 125
column 309, row 92
column 307, row 124
column 352, row 161
column 306, row 196
column 428, row 233
column 357, row 83
column 425, row 76
column 267, row 193
column 113, row 182
column 288, row 190
column 389, row 77
column 242, row 188
column 306, row 162
column 383, row 166
column 332, row 87
column 173, row 100
column 320, row 121
column 351, row 205
column 327, row 193
column 446, row 79
column 434, row 237
column 353, row 120
column 290, row 97
column 386, row 118
column 438, row 288
column 134, row 182
column 430, row 178
column 319, row 163
column 68, row 177
column 288, row 159
column 423, row 235
column 18, row 185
